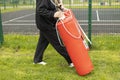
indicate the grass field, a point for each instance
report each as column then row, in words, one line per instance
column 17, row 51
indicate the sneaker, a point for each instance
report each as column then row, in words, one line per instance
column 71, row 65
column 42, row 63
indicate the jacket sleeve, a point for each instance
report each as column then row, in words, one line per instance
column 44, row 8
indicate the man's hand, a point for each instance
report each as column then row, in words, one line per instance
column 58, row 14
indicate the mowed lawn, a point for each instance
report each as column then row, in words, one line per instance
column 17, row 52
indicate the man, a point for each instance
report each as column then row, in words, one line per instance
column 47, row 14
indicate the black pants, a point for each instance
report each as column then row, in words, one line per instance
column 45, row 38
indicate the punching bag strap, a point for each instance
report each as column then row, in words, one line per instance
column 58, row 36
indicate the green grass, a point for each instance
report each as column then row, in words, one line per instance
column 17, row 51
column 95, row 7
column 10, row 10
column 68, row 6
column 13, row 9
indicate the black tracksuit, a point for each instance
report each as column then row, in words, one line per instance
column 45, row 22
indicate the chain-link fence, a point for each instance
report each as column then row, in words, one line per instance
column 5, row 4
column 105, row 19
column 94, row 2
column 103, row 16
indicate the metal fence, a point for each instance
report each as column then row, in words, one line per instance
column 1, row 30
column 95, row 16
column 94, row 2
column 5, row 4
column 105, row 14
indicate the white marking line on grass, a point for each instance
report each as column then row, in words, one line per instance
column 98, row 17
column 77, row 20
column 18, row 18
column 103, row 24
column 35, row 24
column 99, row 21
column 19, row 24
column 24, row 21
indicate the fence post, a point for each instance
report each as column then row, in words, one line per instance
column 4, row 3
column 89, row 20
column 109, row 2
column 70, row 4
column 1, row 32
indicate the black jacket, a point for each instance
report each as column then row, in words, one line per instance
column 45, row 14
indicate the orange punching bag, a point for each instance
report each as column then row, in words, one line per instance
column 73, row 41
column 81, row 30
